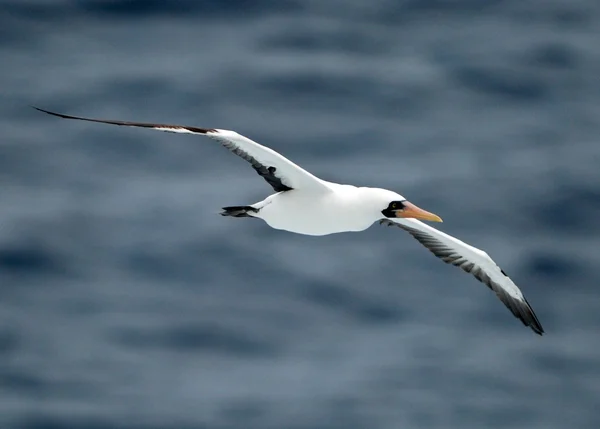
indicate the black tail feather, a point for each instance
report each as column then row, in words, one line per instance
column 238, row 211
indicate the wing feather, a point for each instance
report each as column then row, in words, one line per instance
column 279, row 172
column 474, row 261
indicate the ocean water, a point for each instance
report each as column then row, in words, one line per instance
column 126, row 302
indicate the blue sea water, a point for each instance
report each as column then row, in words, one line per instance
column 126, row 302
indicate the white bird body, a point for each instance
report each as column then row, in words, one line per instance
column 305, row 204
column 342, row 208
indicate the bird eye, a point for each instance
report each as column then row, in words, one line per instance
column 394, row 205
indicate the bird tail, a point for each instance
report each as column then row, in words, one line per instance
column 238, row 211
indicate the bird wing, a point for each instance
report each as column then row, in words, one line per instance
column 472, row 260
column 281, row 173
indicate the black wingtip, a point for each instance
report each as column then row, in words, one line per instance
column 48, row 112
column 533, row 321
column 537, row 328
column 523, row 311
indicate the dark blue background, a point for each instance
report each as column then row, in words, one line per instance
column 127, row 302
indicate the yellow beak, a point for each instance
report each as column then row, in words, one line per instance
column 412, row 211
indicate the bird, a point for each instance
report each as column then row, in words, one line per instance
column 305, row 204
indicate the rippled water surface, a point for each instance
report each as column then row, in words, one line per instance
column 127, row 302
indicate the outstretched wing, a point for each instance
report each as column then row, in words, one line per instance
column 281, row 173
column 475, row 261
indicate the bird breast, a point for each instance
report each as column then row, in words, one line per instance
column 305, row 213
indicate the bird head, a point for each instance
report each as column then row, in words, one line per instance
column 393, row 205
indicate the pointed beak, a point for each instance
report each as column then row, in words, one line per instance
column 412, row 211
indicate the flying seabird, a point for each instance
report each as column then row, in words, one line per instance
column 304, row 204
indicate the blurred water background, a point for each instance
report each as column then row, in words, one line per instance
column 127, row 302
